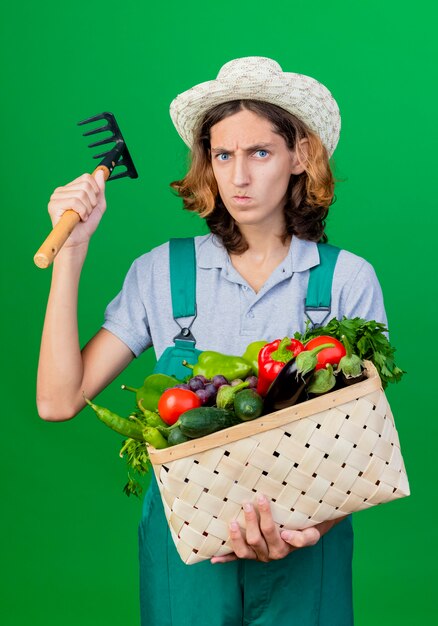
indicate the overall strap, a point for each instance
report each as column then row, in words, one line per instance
column 182, row 264
column 319, row 289
column 183, row 276
column 182, row 261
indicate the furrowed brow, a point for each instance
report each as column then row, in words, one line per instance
column 257, row 146
column 219, row 150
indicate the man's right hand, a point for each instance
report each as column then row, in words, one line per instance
column 86, row 196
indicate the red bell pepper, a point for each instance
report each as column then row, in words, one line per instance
column 272, row 358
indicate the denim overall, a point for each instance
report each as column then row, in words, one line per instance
column 310, row 587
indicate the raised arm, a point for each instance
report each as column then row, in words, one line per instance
column 64, row 371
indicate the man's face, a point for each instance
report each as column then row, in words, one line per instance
column 252, row 166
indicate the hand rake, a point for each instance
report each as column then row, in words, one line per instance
column 117, row 156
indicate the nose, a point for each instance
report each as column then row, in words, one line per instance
column 240, row 174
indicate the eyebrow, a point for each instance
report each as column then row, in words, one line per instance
column 257, row 146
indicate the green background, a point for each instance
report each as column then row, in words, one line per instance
column 68, row 533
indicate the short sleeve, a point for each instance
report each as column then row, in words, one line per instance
column 362, row 294
column 126, row 316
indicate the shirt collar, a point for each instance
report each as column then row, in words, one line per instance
column 301, row 257
column 211, row 253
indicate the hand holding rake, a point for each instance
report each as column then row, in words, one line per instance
column 117, row 156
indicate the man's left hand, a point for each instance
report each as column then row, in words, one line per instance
column 263, row 540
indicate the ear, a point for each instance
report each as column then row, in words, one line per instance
column 299, row 156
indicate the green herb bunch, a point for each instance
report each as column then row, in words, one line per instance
column 137, row 459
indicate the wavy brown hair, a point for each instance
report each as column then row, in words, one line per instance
column 309, row 194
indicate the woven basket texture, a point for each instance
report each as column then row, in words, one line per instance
column 316, row 461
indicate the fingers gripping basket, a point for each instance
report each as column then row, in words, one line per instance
column 316, row 461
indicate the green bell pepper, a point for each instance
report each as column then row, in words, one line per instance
column 151, row 390
column 251, row 355
column 212, row 364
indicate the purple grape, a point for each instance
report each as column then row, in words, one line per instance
column 211, row 391
column 252, row 380
column 202, row 395
column 201, row 378
column 195, row 384
column 181, row 386
column 219, row 380
column 211, row 388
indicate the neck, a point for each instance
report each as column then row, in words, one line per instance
column 265, row 243
column 265, row 252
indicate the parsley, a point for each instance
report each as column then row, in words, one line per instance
column 137, row 459
column 368, row 340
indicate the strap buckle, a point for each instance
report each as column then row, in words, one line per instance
column 326, row 309
column 186, row 334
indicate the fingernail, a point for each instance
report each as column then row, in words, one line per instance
column 234, row 526
column 247, row 507
column 286, row 535
column 261, row 499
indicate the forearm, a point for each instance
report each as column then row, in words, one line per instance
column 60, row 369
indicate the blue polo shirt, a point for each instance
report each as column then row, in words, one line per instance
column 230, row 314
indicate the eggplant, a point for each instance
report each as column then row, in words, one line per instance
column 286, row 388
column 292, row 379
column 351, row 367
column 346, row 381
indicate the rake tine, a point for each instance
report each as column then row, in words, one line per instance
column 102, row 154
column 101, row 142
column 94, row 118
column 96, row 130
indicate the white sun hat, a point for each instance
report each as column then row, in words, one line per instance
column 260, row 78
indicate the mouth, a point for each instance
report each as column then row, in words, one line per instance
column 242, row 199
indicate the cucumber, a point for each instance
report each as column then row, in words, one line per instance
column 205, row 420
column 176, row 437
column 248, row 404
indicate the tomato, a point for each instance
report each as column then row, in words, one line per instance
column 328, row 355
column 175, row 401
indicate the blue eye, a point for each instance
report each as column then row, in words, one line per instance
column 262, row 153
column 224, row 156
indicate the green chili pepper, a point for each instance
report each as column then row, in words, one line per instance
column 125, row 427
column 151, row 390
column 152, row 418
column 154, row 437
column 251, row 355
column 212, row 364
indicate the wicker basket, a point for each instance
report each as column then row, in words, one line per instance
column 316, row 461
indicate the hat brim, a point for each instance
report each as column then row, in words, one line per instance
column 301, row 95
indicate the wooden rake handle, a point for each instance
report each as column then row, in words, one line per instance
column 61, row 232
